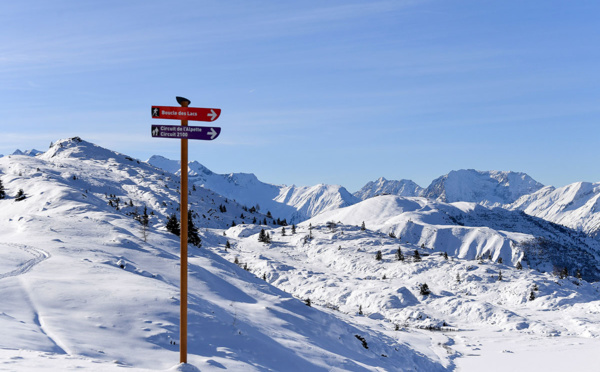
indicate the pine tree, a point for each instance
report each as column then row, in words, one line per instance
column 283, row 231
column 173, row 225
column 563, row 273
column 2, row 192
column 424, row 289
column 362, row 226
column 144, row 218
column 145, row 221
column 500, row 275
column 307, row 302
column 293, row 229
column 262, row 236
column 360, row 312
column 378, row 256
column 417, row 256
column 519, row 266
column 227, row 245
column 20, row 195
column 193, row 237
column 399, row 255
column 531, row 296
column 446, row 256
column 458, row 278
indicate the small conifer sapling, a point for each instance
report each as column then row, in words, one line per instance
column 399, row 255
column 20, row 195
column 173, row 225
column 2, row 192
column 417, row 256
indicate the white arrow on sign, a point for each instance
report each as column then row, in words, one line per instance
column 212, row 133
column 212, row 115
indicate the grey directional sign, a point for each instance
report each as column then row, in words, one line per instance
column 185, row 132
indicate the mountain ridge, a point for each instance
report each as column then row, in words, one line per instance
column 292, row 203
column 490, row 188
column 394, row 187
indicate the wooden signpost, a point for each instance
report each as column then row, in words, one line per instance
column 184, row 132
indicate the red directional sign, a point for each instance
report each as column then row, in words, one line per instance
column 185, row 113
column 185, row 132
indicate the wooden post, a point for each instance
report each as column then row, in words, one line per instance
column 184, row 244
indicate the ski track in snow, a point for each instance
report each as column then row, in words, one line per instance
column 38, row 320
column 39, row 255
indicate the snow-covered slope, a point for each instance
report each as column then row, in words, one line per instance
column 491, row 188
column 391, row 187
column 338, row 268
column 576, row 206
column 312, row 200
column 105, row 177
column 82, row 287
column 477, row 304
column 292, row 203
column 480, row 303
column 469, row 231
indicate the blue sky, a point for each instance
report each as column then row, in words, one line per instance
column 315, row 92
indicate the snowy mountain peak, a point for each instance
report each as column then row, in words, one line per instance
column 383, row 187
column 32, row 152
column 174, row 166
column 171, row 166
column 490, row 188
column 75, row 147
column 576, row 206
column 197, row 168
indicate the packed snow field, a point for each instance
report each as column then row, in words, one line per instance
column 389, row 283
